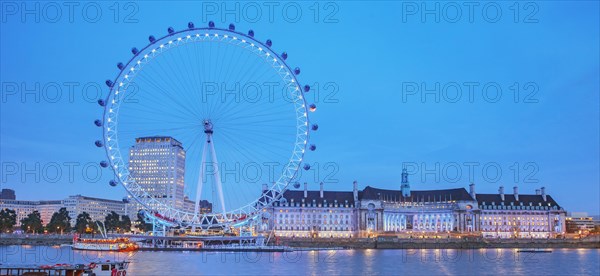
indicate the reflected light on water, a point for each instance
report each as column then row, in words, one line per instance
column 331, row 262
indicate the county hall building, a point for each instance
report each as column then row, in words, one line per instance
column 372, row 211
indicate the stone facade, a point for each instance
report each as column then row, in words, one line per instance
column 373, row 211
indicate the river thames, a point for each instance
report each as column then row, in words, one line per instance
column 341, row 262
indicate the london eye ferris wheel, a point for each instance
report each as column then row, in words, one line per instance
column 235, row 107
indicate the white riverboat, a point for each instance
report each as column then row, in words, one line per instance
column 104, row 244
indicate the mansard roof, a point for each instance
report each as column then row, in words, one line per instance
column 418, row 196
column 330, row 196
column 535, row 200
column 458, row 194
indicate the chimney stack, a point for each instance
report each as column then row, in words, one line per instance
column 472, row 190
column 516, row 192
column 321, row 191
column 501, row 192
column 544, row 193
column 305, row 190
column 538, row 192
column 355, row 190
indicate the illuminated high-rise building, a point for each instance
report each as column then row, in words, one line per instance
column 158, row 165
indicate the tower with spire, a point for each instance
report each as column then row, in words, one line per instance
column 405, row 187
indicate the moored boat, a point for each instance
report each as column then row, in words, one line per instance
column 534, row 250
column 112, row 268
column 104, row 244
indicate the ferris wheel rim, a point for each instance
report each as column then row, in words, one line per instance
column 275, row 191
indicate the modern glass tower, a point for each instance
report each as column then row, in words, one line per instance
column 158, row 165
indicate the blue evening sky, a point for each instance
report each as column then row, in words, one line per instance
column 373, row 53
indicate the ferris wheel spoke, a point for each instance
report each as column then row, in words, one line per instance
column 245, row 116
column 224, row 51
column 259, row 116
column 232, row 145
column 253, row 141
column 176, row 79
column 261, row 127
column 231, row 69
column 169, row 97
column 192, row 79
column 158, row 114
column 199, row 76
column 274, row 104
column 243, row 112
column 241, row 80
column 246, row 155
column 160, row 130
column 158, row 125
column 182, row 86
column 266, row 132
column 209, row 77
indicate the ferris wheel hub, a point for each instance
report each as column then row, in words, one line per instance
column 208, row 127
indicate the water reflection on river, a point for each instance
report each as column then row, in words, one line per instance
column 369, row 261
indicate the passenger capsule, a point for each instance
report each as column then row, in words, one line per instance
column 170, row 30
column 134, row 51
column 190, row 25
column 98, row 143
column 297, row 185
column 101, row 102
column 152, row 39
column 211, row 24
column 306, row 88
column 306, row 167
column 284, row 55
column 125, row 200
column 312, row 107
column 269, row 43
column 231, row 27
column 120, row 65
column 297, row 71
column 103, row 164
column 112, row 183
column 251, row 33
column 315, row 127
column 109, row 83
column 98, row 122
column 312, row 147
